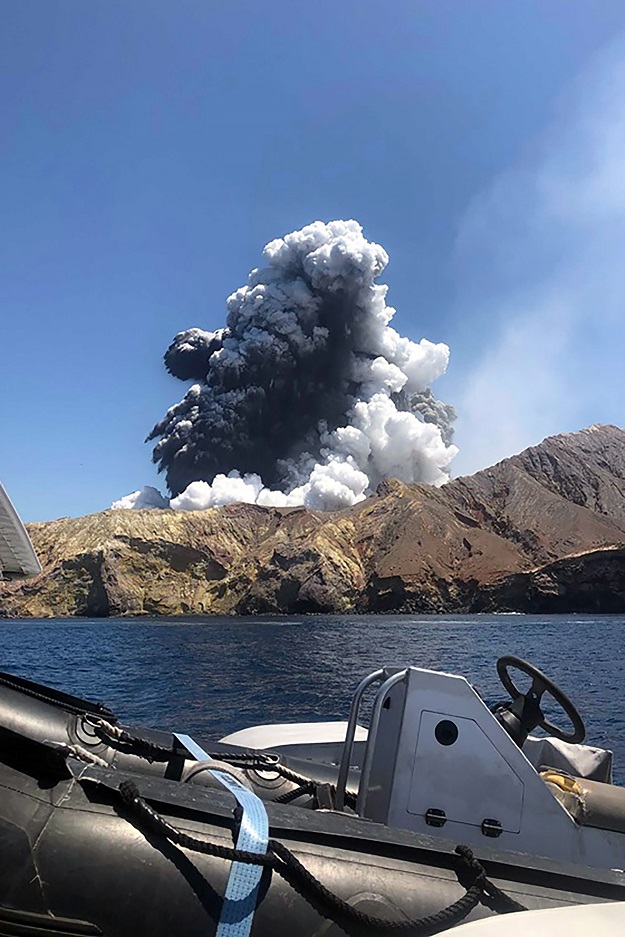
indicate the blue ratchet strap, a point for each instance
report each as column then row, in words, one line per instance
column 237, row 911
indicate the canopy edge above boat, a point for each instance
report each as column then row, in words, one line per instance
column 17, row 556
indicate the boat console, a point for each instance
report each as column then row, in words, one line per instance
column 436, row 760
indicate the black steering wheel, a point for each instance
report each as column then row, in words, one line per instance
column 524, row 714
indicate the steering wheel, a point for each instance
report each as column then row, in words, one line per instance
column 525, row 713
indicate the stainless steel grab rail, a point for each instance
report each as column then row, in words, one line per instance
column 389, row 683
column 378, row 676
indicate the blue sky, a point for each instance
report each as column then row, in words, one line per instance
column 150, row 150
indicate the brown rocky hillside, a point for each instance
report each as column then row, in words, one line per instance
column 541, row 531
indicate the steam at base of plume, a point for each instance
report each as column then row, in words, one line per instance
column 308, row 395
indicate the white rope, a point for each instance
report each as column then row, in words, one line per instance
column 113, row 731
column 77, row 751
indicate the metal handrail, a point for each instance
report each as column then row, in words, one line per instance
column 373, row 731
column 350, row 734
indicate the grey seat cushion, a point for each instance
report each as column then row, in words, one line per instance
column 579, row 761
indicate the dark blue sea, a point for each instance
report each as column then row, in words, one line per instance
column 208, row 677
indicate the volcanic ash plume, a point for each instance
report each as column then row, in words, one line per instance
column 307, row 396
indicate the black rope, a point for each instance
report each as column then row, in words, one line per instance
column 132, row 798
column 305, row 784
column 151, row 751
column 265, row 761
column 262, row 761
column 295, row 792
column 279, row 858
column 345, row 914
column 132, row 745
column 71, row 704
column 477, row 868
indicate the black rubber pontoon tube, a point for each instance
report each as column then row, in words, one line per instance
column 281, row 860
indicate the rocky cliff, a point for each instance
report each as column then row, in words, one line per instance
column 541, row 531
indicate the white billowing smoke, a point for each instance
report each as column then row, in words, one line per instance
column 147, row 497
column 308, row 396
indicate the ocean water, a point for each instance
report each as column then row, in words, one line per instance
column 208, row 677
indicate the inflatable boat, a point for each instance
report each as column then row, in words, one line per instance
column 441, row 813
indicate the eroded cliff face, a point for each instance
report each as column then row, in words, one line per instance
column 542, row 531
column 592, row 582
